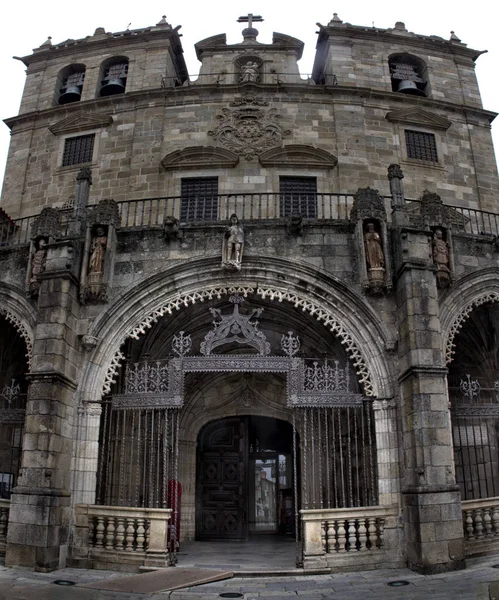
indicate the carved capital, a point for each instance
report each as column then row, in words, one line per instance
column 395, row 172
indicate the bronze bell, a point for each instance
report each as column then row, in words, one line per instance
column 72, row 94
column 406, row 86
column 113, row 86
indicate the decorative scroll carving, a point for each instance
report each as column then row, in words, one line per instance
column 233, row 245
column 290, row 344
column 461, row 318
column 470, row 388
column 10, row 393
column 235, row 328
column 249, row 130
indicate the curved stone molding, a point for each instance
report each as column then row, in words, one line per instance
column 22, row 330
column 307, row 305
column 299, row 156
column 462, row 317
column 80, row 122
column 199, row 157
column 416, row 116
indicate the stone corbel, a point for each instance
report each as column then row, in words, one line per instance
column 171, row 229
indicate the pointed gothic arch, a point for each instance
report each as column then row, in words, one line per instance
column 19, row 312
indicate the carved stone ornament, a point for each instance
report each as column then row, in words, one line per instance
column 368, row 204
column 47, row 224
column 89, row 342
column 171, row 229
column 375, row 258
column 441, row 258
column 96, row 288
column 37, row 266
column 248, row 131
column 235, row 328
column 106, row 213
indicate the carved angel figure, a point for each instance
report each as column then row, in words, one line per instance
column 232, row 247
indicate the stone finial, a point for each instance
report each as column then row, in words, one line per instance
column 85, row 174
column 163, row 22
column 335, row 20
column 400, row 26
column 48, row 42
column 395, row 172
column 100, row 31
column 453, row 37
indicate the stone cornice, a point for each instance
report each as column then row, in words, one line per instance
column 190, row 94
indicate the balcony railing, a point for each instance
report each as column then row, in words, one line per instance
column 213, row 209
column 481, row 525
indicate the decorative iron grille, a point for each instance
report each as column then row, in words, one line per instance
column 298, row 196
column 421, row 146
column 199, row 199
column 78, row 150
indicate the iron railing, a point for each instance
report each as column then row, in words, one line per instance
column 268, row 206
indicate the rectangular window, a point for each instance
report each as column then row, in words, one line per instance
column 298, row 196
column 78, row 150
column 421, row 146
column 199, row 199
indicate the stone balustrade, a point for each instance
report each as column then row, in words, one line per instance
column 340, row 537
column 4, row 521
column 481, row 525
column 120, row 537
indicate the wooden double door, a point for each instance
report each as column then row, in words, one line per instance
column 237, row 471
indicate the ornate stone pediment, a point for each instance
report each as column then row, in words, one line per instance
column 80, row 122
column 200, row 157
column 298, row 155
column 248, row 131
column 417, row 116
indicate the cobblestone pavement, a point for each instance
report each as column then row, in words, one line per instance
column 480, row 581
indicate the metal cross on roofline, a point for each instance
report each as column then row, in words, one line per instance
column 250, row 19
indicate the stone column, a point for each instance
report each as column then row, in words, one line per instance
column 40, row 506
column 433, row 522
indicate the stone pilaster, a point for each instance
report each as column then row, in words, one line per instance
column 385, row 416
column 432, row 507
column 40, row 505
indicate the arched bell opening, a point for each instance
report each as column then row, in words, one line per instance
column 13, row 388
column 474, row 398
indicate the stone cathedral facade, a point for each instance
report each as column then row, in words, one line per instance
column 250, row 302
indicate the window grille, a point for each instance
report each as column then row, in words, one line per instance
column 421, row 146
column 78, row 150
column 298, row 196
column 199, row 199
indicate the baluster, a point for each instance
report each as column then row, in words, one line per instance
column 469, row 524
column 324, row 536
column 110, row 530
column 370, row 533
column 4, row 519
column 130, row 535
column 352, row 535
column 141, row 535
column 99, row 532
column 342, row 536
column 478, row 523
column 362, row 535
column 495, row 520
column 487, row 522
column 381, row 533
column 120, row 533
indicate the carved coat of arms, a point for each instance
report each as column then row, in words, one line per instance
column 249, row 130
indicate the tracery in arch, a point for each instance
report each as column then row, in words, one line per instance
column 22, row 330
column 318, row 312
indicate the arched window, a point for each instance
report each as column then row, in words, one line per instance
column 114, row 76
column 408, row 74
column 70, row 84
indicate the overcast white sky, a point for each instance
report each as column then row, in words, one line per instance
column 27, row 25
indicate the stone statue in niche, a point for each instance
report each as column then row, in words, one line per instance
column 233, row 245
column 249, row 72
column 37, row 266
column 375, row 258
column 441, row 258
column 96, row 263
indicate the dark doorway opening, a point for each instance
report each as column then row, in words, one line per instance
column 244, row 478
